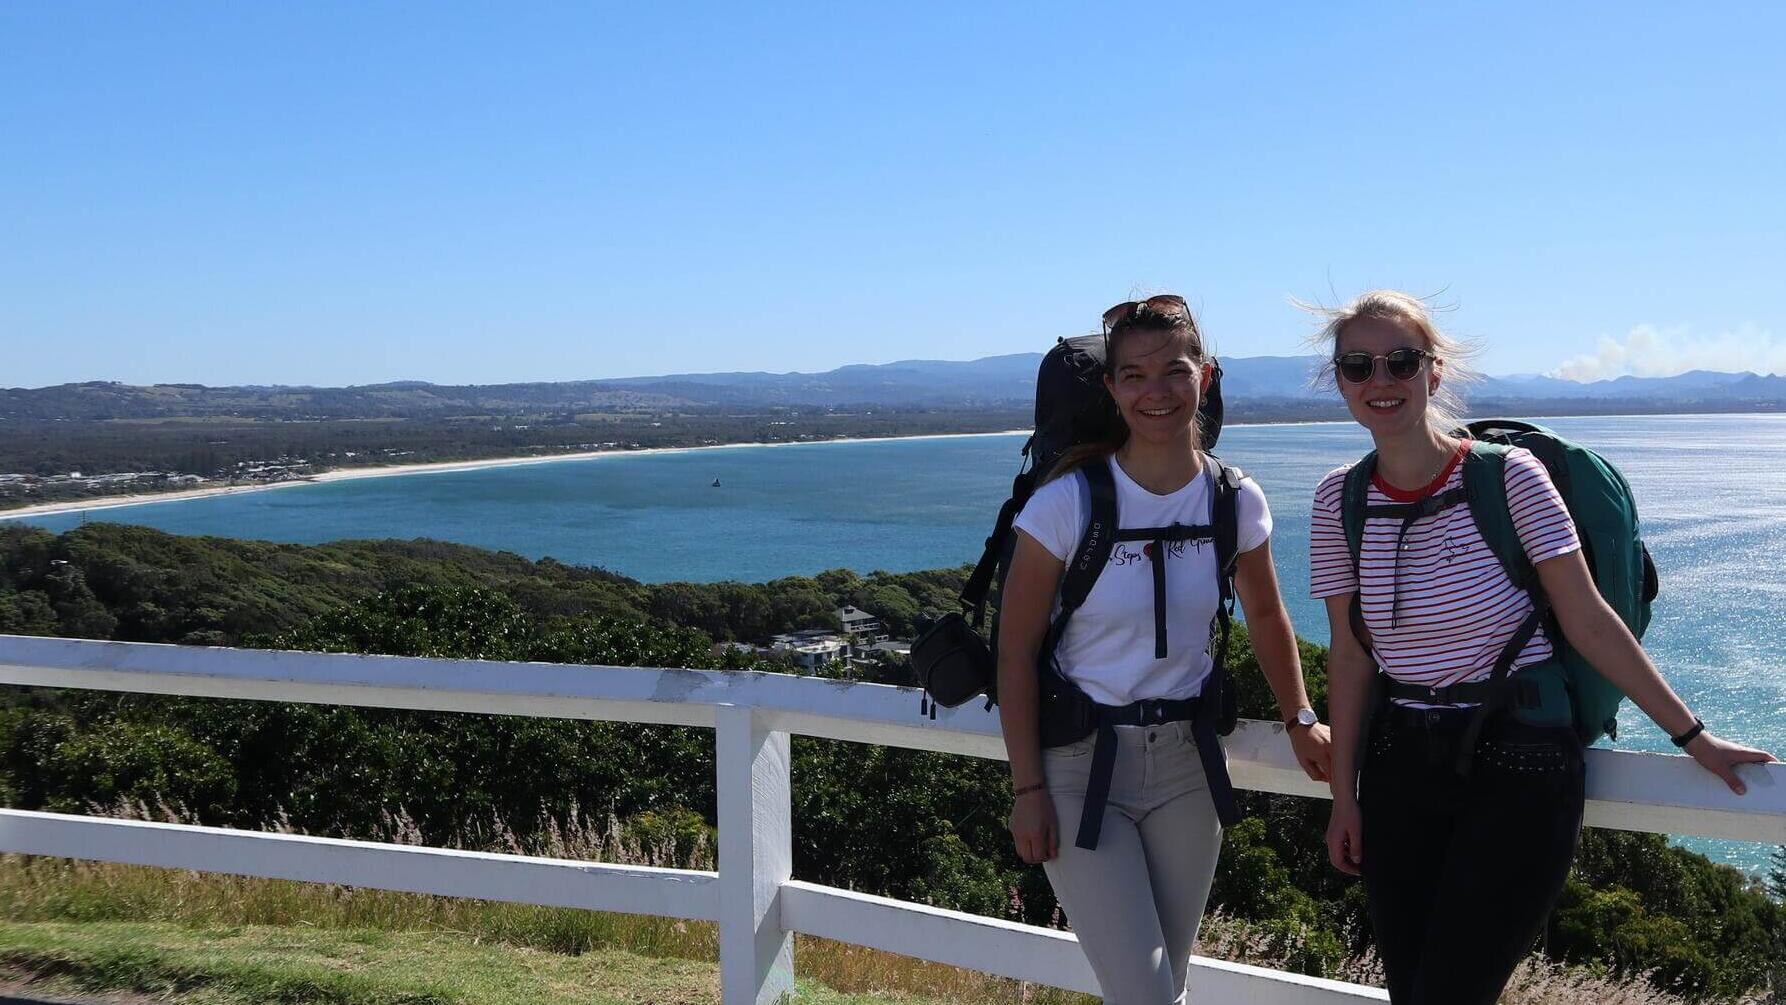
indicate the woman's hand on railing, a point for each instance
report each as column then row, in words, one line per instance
column 1345, row 837
column 1720, row 757
column 1034, row 827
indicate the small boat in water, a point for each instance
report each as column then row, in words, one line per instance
column 716, row 483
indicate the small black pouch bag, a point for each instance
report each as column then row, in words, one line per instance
column 952, row 661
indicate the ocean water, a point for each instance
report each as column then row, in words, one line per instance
column 1711, row 491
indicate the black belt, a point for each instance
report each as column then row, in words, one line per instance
column 1441, row 719
column 1153, row 712
column 1469, row 693
column 1488, row 697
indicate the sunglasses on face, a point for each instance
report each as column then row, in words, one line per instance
column 1124, row 312
column 1402, row 364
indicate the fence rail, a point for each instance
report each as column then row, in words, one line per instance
column 753, row 896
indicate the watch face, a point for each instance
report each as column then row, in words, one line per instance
column 1307, row 717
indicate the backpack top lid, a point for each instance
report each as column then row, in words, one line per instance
column 1073, row 407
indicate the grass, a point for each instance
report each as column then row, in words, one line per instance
column 94, row 926
column 239, row 965
column 84, row 927
column 87, row 927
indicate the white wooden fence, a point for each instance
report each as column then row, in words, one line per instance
column 754, row 898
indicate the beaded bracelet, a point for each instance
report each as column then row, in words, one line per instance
column 1687, row 737
column 1027, row 789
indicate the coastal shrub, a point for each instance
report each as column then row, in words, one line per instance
column 1639, row 904
column 908, row 823
column 122, row 761
column 956, row 877
column 79, row 613
column 1254, row 884
column 27, row 612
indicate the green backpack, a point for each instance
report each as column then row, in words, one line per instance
column 1566, row 690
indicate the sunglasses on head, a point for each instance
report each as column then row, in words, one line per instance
column 1402, row 364
column 1125, row 312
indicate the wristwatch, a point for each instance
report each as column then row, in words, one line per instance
column 1304, row 717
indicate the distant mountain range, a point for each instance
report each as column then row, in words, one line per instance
column 1260, row 382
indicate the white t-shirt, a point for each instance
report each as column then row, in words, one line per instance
column 1108, row 647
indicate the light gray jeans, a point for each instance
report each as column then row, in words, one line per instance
column 1136, row 901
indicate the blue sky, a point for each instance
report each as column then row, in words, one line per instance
column 357, row 192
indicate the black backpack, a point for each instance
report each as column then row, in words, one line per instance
column 954, row 662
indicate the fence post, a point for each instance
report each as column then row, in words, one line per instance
column 756, row 954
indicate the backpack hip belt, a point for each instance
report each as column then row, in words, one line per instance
column 1152, row 712
column 1497, row 694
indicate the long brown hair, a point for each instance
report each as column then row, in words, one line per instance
column 1147, row 317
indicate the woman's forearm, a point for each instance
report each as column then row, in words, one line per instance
column 1023, row 621
column 1600, row 637
column 1348, row 687
column 1274, row 642
column 1604, row 641
column 1598, row 634
column 1019, row 715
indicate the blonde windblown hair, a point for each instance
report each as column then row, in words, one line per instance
column 1445, row 411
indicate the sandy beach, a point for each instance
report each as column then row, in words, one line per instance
column 441, row 467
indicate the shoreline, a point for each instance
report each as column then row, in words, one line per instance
column 432, row 468
column 449, row 467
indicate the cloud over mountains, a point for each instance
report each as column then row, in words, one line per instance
column 1650, row 351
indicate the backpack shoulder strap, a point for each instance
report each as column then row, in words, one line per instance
column 1224, row 512
column 1354, row 500
column 979, row 582
column 1093, row 553
column 1485, row 486
column 1220, row 705
column 1485, row 483
column 1098, row 539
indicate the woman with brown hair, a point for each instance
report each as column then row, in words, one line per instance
column 1108, row 699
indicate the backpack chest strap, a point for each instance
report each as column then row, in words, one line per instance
column 1175, row 532
column 1409, row 513
column 1158, row 538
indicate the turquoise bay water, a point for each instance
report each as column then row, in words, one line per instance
column 1711, row 491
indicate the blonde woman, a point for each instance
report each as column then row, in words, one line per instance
column 1463, row 827
column 1110, row 700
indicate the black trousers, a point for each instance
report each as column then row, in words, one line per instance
column 1461, row 872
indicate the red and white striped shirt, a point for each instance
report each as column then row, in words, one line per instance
column 1457, row 607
